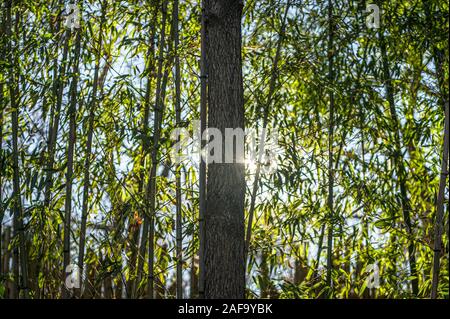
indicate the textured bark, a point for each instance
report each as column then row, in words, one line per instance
column 202, row 166
column 224, row 215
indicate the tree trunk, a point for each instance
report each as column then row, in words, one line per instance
column 2, row 168
column 9, row 285
column 87, row 163
column 178, row 223
column 133, row 238
column 55, row 108
column 55, row 114
column 224, row 216
column 438, row 226
column 144, row 152
column 202, row 166
column 20, row 252
column 194, row 277
column 330, row 151
column 157, row 123
column 438, row 57
column 70, row 153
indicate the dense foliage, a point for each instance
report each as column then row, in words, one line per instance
column 87, row 169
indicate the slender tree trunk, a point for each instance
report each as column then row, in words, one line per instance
column 70, row 155
column 57, row 91
column 55, row 116
column 20, row 252
column 133, row 238
column 9, row 285
column 194, row 277
column 264, row 275
column 224, row 217
column 319, row 249
column 87, row 163
column 179, row 230
column 438, row 226
column 158, row 117
column 438, row 57
column 145, row 150
column 330, row 150
column 2, row 168
column 362, row 192
column 319, row 170
column 399, row 163
column 12, row 93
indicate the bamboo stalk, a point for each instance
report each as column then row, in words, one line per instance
column 70, row 156
column 87, row 162
column 55, row 115
column 158, row 117
column 438, row 226
column 20, row 253
column 179, row 221
column 145, row 149
column 330, row 150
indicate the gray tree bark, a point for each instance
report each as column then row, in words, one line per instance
column 224, row 216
